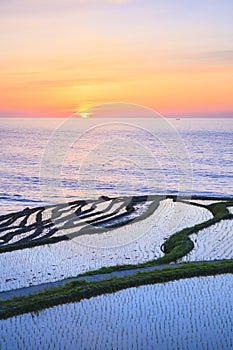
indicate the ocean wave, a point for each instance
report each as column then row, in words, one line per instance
column 17, row 198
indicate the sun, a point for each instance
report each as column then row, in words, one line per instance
column 83, row 111
column 84, row 115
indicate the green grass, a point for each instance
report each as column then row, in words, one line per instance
column 78, row 290
column 218, row 209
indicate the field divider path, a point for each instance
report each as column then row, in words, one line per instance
column 90, row 278
column 91, row 286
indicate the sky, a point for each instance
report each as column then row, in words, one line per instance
column 59, row 57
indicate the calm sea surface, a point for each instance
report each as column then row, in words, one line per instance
column 52, row 160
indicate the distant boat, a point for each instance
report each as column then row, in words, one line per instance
column 177, row 118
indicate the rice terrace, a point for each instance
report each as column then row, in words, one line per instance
column 59, row 255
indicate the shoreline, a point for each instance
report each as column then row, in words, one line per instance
column 40, row 204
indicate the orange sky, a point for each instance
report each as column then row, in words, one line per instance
column 59, row 57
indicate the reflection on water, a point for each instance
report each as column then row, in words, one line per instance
column 115, row 159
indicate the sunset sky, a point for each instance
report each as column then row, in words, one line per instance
column 58, row 57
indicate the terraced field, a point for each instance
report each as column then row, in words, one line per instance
column 136, row 236
column 176, row 315
column 213, row 243
column 49, row 244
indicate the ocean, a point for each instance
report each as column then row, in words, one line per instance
column 47, row 161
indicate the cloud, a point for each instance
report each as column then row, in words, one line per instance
column 221, row 56
column 211, row 57
column 14, row 114
column 82, row 81
column 71, row 82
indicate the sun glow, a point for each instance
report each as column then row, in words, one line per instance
column 84, row 115
column 83, row 111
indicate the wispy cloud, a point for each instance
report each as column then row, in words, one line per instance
column 14, row 114
column 220, row 56
column 205, row 57
column 103, row 78
column 74, row 82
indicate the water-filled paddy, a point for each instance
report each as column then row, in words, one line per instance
column 186, row 314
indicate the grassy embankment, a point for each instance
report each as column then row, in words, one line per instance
column 78, row 290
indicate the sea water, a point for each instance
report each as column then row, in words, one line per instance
column 52, row 160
